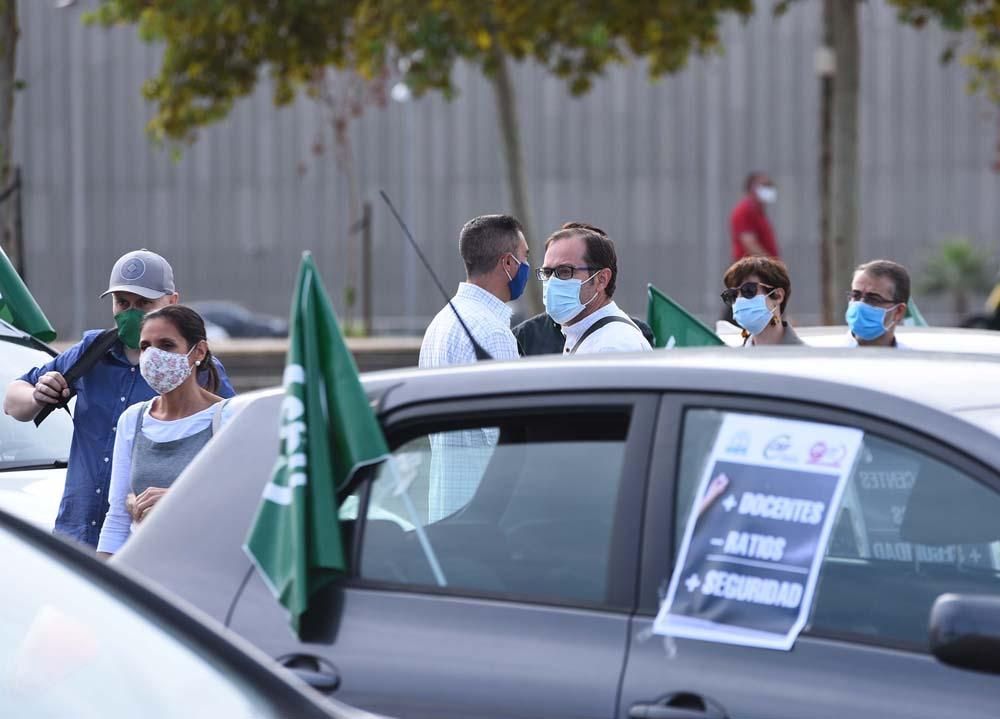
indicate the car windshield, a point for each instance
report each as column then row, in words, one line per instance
column 71, row 648
column 22, row 444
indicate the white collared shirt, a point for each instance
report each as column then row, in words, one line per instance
column 612, row 337
column 459, row 458
column 488, row 319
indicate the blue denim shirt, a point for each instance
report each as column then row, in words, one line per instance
column 112, row 385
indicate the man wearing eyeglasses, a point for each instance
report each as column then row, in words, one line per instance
column 877, row 303
column 578, row 275
column 541, row 335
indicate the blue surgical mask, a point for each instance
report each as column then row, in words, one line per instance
column 866, row 322
column 519, row 281
column 753, row 315
column 562, row 298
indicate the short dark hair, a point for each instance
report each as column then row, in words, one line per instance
column 770, row 270
column 599, row 250
column 485, row 239
column 583, row 226
column 191, row 327
column 895, row 272
column 752, row 178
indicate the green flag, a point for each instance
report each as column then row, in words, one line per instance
column 18, row 307
column 674, row 326
column 327, row 430
column 913, row 318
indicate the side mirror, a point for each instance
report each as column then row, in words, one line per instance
column 965, row 631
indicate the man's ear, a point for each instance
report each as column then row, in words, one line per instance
column 900, row 313
column 174, row 299
column 604, row 279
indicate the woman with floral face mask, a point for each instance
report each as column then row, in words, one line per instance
column 758, row 288
column 155, row 440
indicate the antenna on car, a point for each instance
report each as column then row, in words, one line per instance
column 481, row 354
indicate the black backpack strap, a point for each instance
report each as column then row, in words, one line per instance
column 603, row 322
column 84, row 363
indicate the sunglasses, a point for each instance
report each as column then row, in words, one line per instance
column 748, row 290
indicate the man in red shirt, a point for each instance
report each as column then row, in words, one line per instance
column 752, row 233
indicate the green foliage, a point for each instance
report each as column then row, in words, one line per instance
column 979, row 18
column 958, row 265
column 959, row 269
column 951, row 14
column 216, row 50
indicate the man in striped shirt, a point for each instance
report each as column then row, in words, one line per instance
column 495, row 254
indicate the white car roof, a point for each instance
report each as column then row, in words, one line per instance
column 931, row 339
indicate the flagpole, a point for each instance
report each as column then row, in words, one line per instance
column 418, row 527
column 477, row 349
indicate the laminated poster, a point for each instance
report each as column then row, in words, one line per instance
column 758, row 530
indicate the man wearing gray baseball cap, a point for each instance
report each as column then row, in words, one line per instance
column 103, row 370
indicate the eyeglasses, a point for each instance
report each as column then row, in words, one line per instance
column 562, row 272
column 748, row 290
column 869, row 298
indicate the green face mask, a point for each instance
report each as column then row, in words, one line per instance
column 129, row 323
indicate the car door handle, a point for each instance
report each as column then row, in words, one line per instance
column 317, row 673
column 682, row 705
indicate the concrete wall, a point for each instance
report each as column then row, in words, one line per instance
column 656, row 164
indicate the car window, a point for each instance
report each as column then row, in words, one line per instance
column 522, row 506
column 22, row 444
column 909, row 529
column 69, row 648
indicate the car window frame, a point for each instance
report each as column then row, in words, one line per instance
column 403, row 424
column 661, row 501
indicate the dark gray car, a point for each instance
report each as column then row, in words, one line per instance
column 535, row 597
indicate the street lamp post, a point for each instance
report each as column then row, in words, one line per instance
column 402, row 95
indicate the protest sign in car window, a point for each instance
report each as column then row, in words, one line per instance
column 757, row 531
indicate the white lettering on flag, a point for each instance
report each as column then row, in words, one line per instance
column 292, row 434
column 293, row 374
column 283, row 495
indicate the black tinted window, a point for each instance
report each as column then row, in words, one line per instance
column 530, row 514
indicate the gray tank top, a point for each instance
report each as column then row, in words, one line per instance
column 158, row 464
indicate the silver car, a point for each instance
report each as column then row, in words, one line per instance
column 535, row 594
column 78, row 639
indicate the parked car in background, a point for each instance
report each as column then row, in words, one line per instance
column 78, row 639
column 537, row 597
column 237, row 321
column 32, row 459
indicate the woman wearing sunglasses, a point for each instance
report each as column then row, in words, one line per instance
column 758, row 288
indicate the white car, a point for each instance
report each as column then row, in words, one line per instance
column 32, row 459
column 933, row 339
